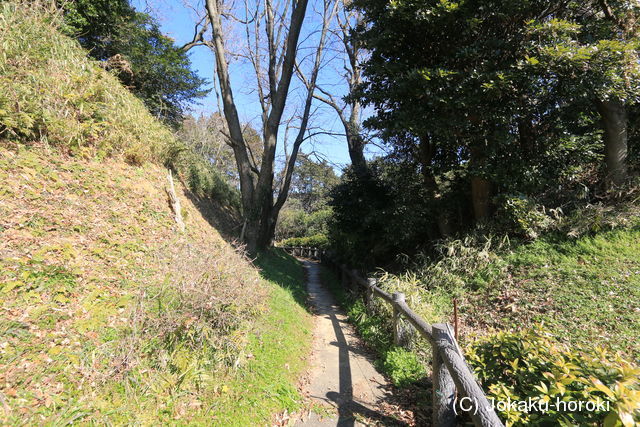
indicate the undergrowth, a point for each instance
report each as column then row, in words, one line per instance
column 580, row 280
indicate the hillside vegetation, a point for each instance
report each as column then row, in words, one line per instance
column 108, row 313
column 556, row 318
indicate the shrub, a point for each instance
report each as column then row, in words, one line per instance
column 315, row 241
column 521, row 216
column 531, row 364
column 460, row 264
column 402, row 366
column 294, row 221
column 381, row 214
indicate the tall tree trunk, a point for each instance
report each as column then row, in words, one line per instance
column 526, row 137
column 426, row 152
column 356, row 144
column 614, row 121
column 481, row 197
column 480, row 186
column 256, row 184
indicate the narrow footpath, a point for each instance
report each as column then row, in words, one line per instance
column 343, row 386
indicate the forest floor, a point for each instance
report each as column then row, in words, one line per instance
column 585, row 290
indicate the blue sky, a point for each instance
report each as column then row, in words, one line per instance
column 177, row 21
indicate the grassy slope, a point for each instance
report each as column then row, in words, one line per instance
column 84, row 247
column 284, row 341
column 51, row 93
column 107, row 313
column 587, row 290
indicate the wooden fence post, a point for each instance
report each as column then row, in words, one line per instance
column 443, row 387
column 479, row 409
column 369, row 292
column 398, row 330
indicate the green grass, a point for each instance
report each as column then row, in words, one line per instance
column 50, row 91
column 111, row 316
column 587, row 291
column 53, row 95
column 283, row 269
column 279, row 347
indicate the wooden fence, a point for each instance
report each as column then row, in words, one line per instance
column 452, row 378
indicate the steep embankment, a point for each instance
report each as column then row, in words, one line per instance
column 106, row 305
column 108, row 313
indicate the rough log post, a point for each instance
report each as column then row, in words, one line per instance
column 481, row 411
column 398, row 330
column 175, row 202
column 369, row 292
column 444, row 388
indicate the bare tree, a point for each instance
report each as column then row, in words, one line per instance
column 349, row 109
column 272, row 43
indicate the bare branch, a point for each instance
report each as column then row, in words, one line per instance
column 198, row 36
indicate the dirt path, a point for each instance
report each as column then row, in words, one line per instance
column 343, row 386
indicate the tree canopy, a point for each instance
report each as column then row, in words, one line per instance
column 131, row 44
column 491, row 100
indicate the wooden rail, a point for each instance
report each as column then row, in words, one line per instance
column 451, row 376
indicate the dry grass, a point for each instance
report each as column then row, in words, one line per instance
column 103, row 300
column 51, row 93
column 109, row 314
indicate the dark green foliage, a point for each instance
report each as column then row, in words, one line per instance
column 131, row 45
column 306, row 214
column 531, row 364
column 381, row 214
column 491, row 112
column 202, row 177
column 311, row 182
column 314, row 241
column 504, row 90
column 295, row 223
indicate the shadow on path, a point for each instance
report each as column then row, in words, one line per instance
column 342, row 373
